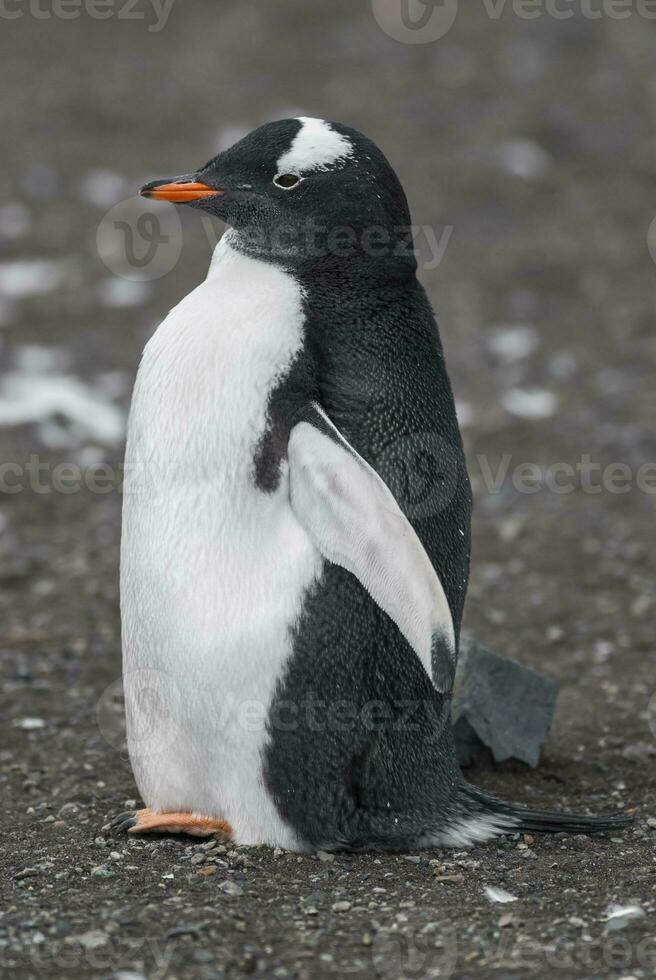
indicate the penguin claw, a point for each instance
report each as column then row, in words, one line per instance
column 118, row 822
column 125, row 825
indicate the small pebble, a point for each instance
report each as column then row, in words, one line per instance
column 231, row 888
column 25, row 873
column 207, row 871
column 102, row 871
column 93, row 939
column 68, row 809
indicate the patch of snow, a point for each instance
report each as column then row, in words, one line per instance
column 89, row 456
column 513, row 343
column 67, row 410
column 55, row 436
column 30, row 277
column 523, row 158
column 499, row 895
column 120, row 293
column 30, row 724
column 533, row 403
column 619, row 917
column 103, row 187
column 35, row 358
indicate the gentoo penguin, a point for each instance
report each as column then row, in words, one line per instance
column 290, row 608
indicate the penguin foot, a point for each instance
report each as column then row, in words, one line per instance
column 145, row 821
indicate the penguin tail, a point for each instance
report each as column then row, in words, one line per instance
column 482, row 817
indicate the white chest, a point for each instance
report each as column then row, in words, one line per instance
column 213, row 570
column 200, row 399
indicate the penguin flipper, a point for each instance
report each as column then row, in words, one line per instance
column 355, row 522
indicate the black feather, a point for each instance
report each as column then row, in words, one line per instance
column 523, row 818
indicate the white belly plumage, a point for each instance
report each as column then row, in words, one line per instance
column 213, row 570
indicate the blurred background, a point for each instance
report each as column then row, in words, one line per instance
column 526, row 148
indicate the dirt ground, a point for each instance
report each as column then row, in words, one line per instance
column 532, row 141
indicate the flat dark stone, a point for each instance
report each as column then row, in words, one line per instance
column 500, row 704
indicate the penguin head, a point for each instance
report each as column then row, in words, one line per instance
column 299, row 189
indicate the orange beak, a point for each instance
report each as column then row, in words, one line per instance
column 179, row 191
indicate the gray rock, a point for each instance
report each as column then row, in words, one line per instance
column 500, row 704
column 26, row 873
column 93, row 939
column 231, row 888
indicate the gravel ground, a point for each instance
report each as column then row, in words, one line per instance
column 526, row 146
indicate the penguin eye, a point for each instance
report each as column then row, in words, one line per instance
column 286, row 181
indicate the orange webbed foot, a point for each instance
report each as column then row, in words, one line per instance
column 146, row 821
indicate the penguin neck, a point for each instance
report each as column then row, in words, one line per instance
column 343, row 256
column 360, row 272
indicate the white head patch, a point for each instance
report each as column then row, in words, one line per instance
column 316, row 147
